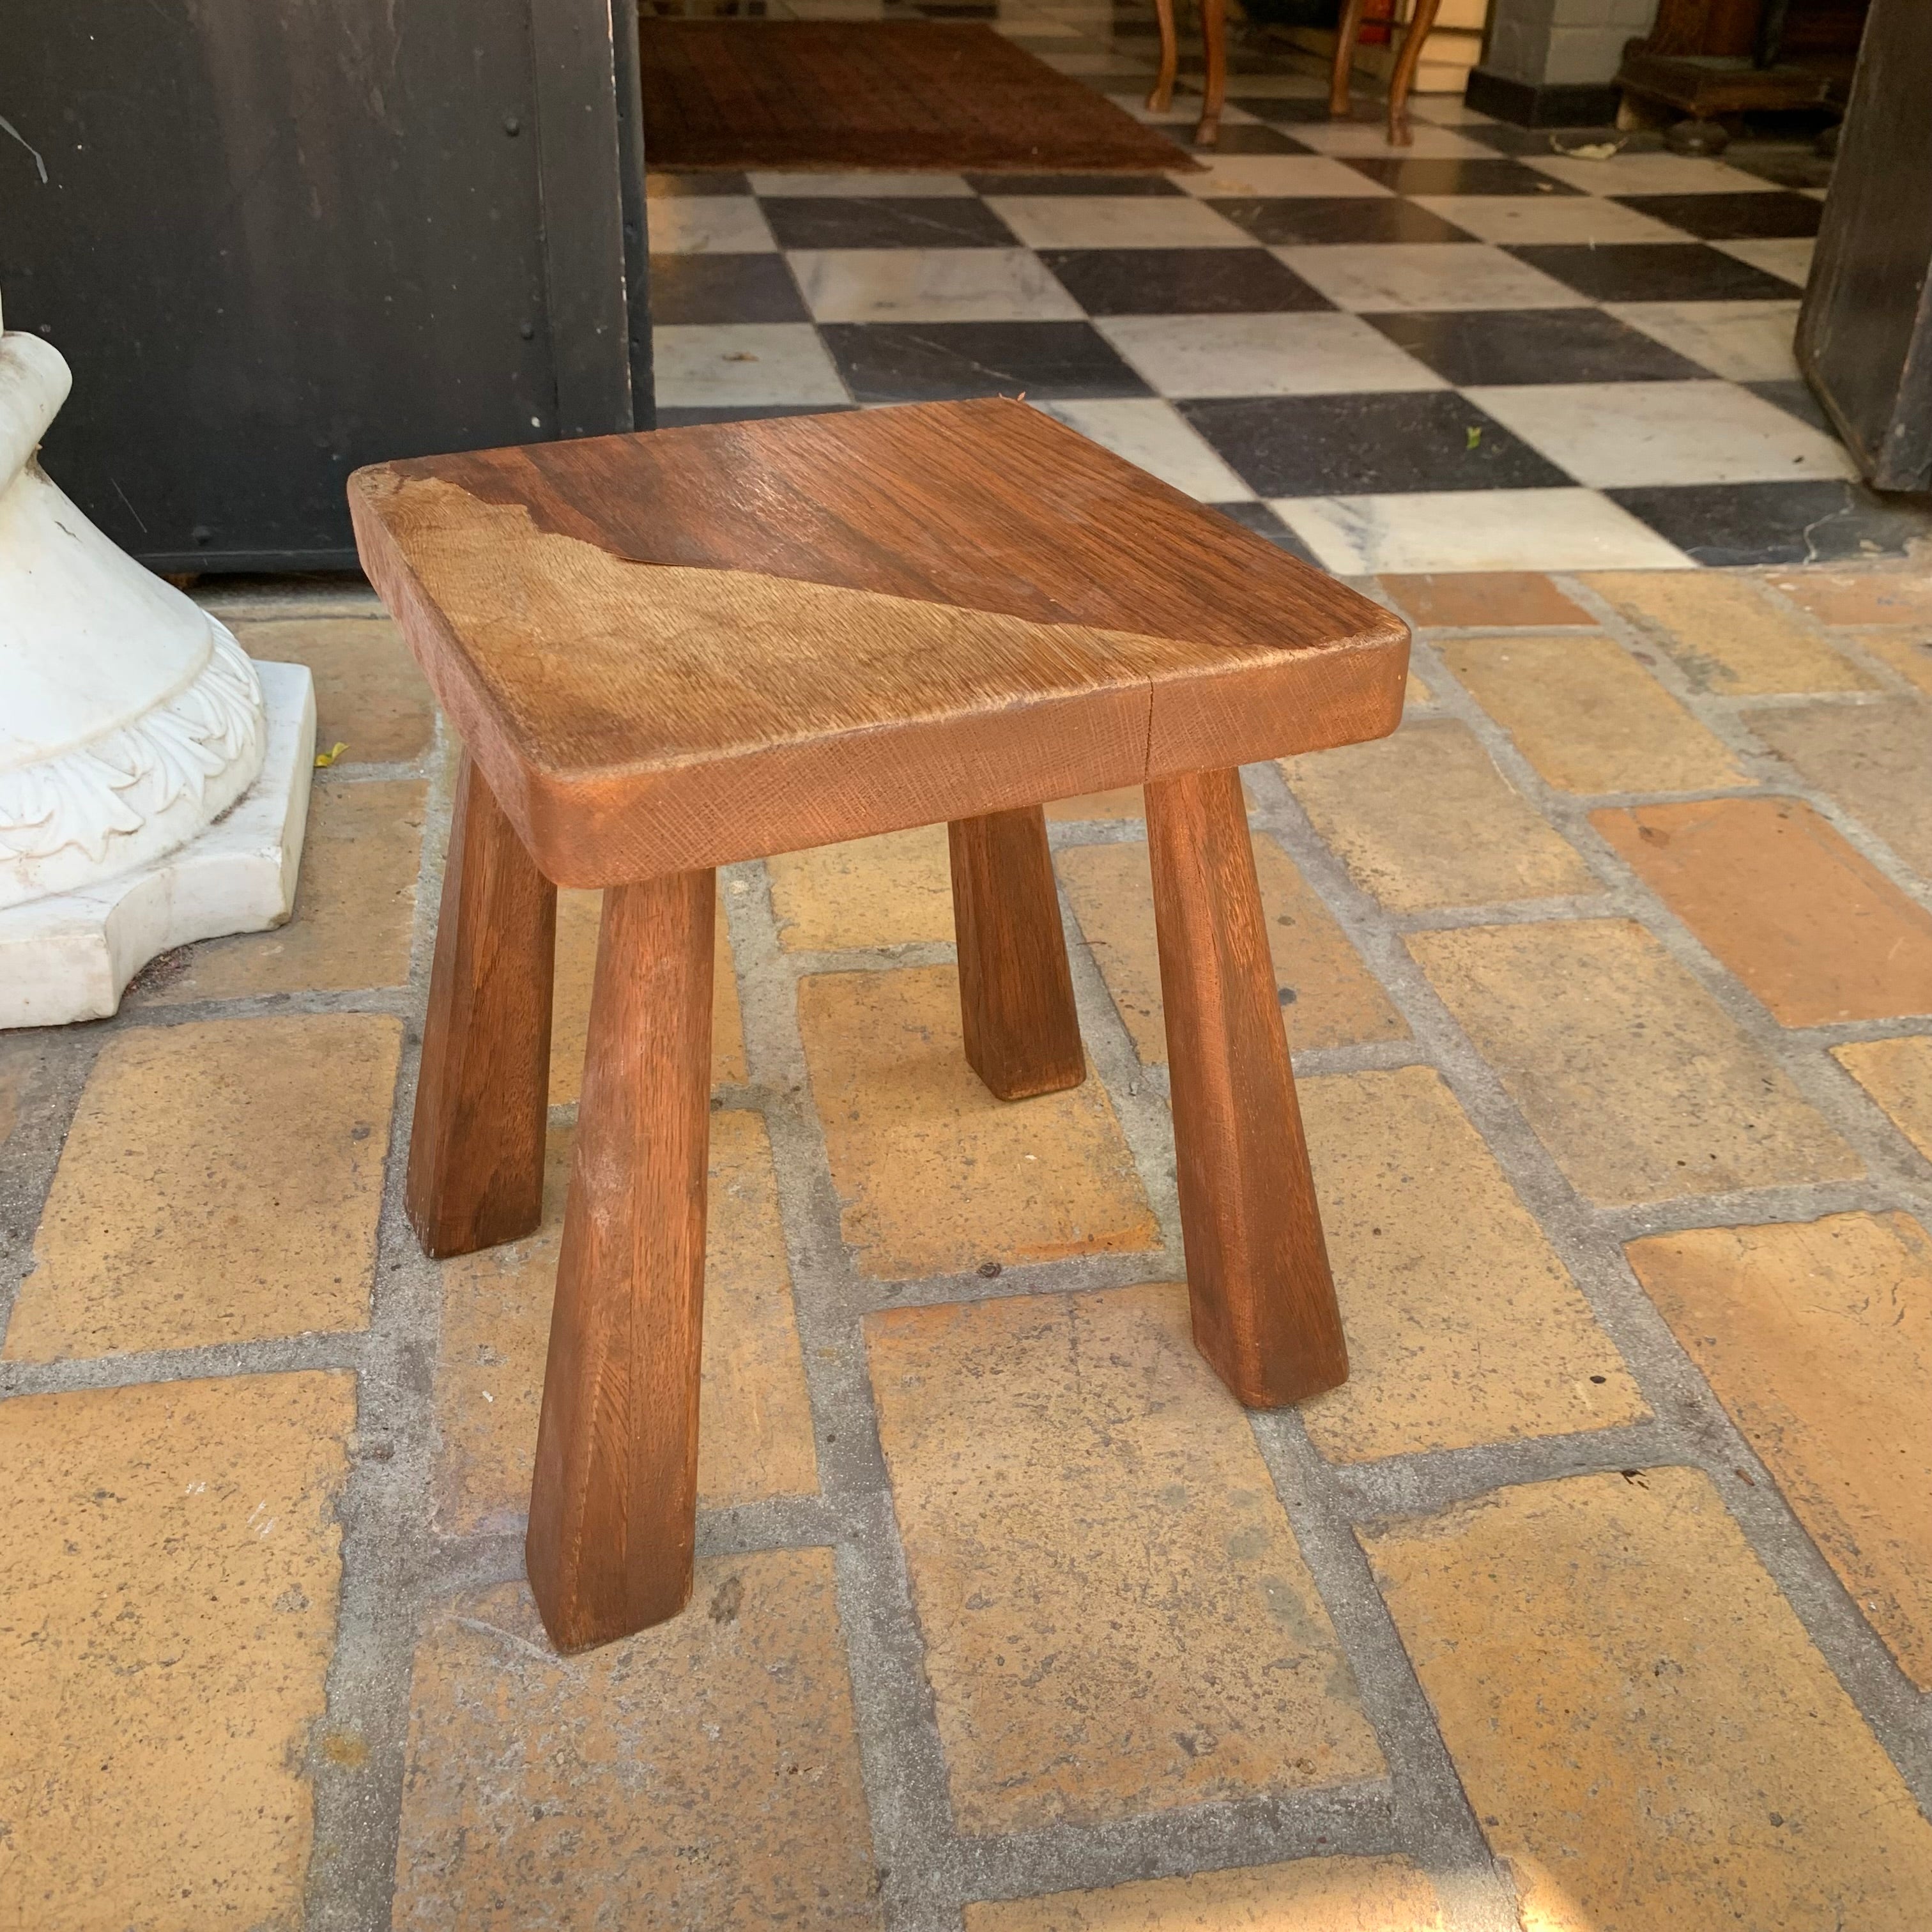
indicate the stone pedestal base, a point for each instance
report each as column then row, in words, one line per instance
column 70, row 957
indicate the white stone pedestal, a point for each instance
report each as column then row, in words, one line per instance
column 70, row 957
column 154, row 782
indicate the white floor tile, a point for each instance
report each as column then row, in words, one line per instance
column 1321, row 354
column 1742, row 341
column 1153, row 435
column 930, row 285
column 1620, row 435
column 865, row 186
column 1116, row 221
column 707, row 224
column 1447, row 110
column 1476, row 529
column 1238, row 177
column 1377, row 277
column 1649, row 174
column 743, row 363
column 1788, row 257
column 1526, row 221
column 1359, row 137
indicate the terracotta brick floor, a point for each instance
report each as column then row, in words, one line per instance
column 1599, row 1600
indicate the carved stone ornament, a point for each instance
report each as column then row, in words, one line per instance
column 130, row 722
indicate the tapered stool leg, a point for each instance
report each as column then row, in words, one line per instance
column 476, row 1150
column 614, row 1504
column 1015, row 990
column 1263, row 1301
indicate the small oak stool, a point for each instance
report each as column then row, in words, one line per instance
column 666, row 652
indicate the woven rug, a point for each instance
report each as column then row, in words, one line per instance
column 887, row 95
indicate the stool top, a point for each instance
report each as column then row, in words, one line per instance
column 680, row 649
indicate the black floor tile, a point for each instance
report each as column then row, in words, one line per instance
column 1653, row 271
column 1795, row 399
column 1138, row 184
column 1754, row 215
column 1263, row 521
column 1180, row 281
column 1286, row 113
column 685, row 418
column 1313, row 221
column 711, row 182
column 851, row 221
column 724, row 288
column 919, row 362
column 1538, row 345
column 1346, row 445
column 1788, row 163
column 1820, row 521
column 1244, row 138
column 1496, row 177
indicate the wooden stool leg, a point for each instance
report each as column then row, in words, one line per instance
column 613, row 1507
column 476, row 1150
column 1407, row 62
column 1163, row 96
column 1347, row 33
column 1214, row 85
column 1265, row 1312
column 1015, row 990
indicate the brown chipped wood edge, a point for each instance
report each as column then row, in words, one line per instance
column 1008, row 756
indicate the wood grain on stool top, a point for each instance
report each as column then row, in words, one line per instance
column 701, row 645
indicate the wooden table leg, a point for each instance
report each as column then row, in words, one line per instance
column 1214, row 82
column 1264, row 1302
column 1347, row 33
column 476, row 1150
column 1161, row 98
column 613, row 1508
column 1015, row 990
column 1407, row 62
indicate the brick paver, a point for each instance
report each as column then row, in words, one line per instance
column 1599, row 1597
column 1642, row 1725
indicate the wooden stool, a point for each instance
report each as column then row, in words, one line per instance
column 666, row 652
column 1214, row 61
column 1421, row 21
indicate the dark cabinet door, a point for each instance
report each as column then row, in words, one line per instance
column 1864, row 334
column 280, row 239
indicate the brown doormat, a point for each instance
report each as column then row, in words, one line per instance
column 889, row 94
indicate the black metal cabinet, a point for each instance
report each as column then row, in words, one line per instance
column 280, row 239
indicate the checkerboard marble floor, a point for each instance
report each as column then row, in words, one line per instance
column 1477, row 354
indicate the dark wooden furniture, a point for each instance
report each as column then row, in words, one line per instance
column 1714, row 58
column 1420, row 22
column 1864, row 334
column 1214, row 62
column 665, row 652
